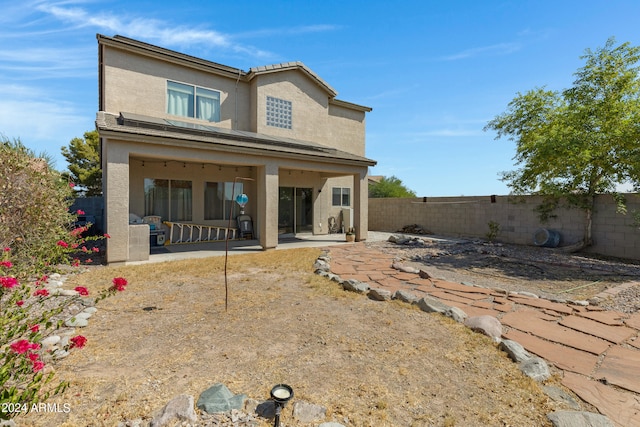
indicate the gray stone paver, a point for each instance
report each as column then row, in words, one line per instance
column 597, row 350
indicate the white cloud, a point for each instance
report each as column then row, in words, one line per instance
column 492, row 50
column 154, row 30
column 302, row 29
column 42, row 62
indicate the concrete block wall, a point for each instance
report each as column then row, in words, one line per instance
column 613, row 233
column 91, row 206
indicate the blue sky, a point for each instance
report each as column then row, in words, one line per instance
column 434, row 72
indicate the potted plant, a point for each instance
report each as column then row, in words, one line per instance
column 350, row 235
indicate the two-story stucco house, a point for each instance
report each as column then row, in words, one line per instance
column 180, row 134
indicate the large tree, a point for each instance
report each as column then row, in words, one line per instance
column 389, row 187
column 583, row 141
column 83, row 156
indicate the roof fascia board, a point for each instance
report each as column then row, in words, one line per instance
column 224, row 147
column 141, row 48
column 292, row 66
column 350, row 105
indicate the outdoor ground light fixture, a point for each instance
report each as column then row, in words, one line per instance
column 280, row 394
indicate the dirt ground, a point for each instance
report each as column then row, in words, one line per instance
column 369, row 363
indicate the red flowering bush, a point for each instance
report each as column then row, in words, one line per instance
column 8, row 282
column 81, row 290
column 119, row 283
column 41, row 293
column 26, row 371
column 33, row 242
column 23, row 346
column 78, row 341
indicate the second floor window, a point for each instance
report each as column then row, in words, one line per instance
column 193, row 101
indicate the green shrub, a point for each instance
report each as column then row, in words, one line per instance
column 34, row 210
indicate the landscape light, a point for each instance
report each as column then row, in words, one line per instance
column 280, row 394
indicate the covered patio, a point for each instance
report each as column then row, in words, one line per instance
column 188, row 174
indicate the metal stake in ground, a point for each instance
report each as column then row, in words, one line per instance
column 226, row 239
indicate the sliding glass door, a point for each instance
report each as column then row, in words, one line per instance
column 295, row 210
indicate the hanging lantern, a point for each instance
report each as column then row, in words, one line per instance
column 242, row 200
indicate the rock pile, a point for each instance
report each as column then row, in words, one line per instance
column 414, row 229
column 220, row 407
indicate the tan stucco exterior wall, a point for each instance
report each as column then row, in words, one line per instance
column 139, row 85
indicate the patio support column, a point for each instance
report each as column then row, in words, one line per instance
column 116, row 202
column 268, row 205
column 361, row 204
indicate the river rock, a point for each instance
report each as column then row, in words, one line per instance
column 578, row 419
column 354, row 285
column 321, row 265
column 307, row 412
column 180, row 408
column 535, row 368
column 379, row 294
column 487, row 325
column 432, row 305
column 515, row 350
column 404, row 295
column 218, row 398
column 456, row 314
column 76, row 322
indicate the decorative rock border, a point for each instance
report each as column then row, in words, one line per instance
column 75, row 315
column 530, row 365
